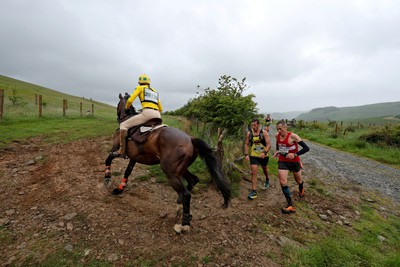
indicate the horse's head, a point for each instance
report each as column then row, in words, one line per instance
column 122, row 113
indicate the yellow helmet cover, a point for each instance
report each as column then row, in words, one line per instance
column 144, row 79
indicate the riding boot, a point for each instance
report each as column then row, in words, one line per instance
column 122, row 143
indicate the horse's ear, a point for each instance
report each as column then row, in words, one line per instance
column 120, row 96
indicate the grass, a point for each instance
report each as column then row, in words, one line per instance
column 54, row 130
column 360, row 248
column 352, row 141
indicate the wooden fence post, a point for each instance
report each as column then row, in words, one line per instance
column 64, row 106
column 40, row 105
column 80, row 108
column 1, row 103
column 92, row 109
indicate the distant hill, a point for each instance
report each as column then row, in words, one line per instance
column 285, row 115
column 391, row 109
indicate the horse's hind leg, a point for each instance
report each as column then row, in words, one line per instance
column 186, row 216
column 124, row 180
column 192, row 181
column 178, row 186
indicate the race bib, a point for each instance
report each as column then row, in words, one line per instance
column 284, row 150
column 150, row 96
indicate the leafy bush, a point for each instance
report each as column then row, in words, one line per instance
column 389, row 136
column 224, row 107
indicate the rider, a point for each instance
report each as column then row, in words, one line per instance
column 151, row 109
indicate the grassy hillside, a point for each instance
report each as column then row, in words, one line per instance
column 21, row 120
column 21, row 114
column 21, row 100
column 381, row 111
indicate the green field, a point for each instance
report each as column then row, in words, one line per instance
column 375, row 140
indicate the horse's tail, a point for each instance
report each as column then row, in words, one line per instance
column 214, row 167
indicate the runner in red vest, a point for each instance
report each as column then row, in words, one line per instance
column 287, row 149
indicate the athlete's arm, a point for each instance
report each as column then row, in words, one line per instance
column 276, row 146
column 304, row 148
column 246, row 144
column 267, row 141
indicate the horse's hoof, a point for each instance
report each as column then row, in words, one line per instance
column 107, row 182
column 117, row 191
column 179, row 228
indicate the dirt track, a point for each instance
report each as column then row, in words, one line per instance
column 343, row 167
column 53, row 199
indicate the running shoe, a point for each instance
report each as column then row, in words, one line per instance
column 288, row 210
column 266, row 185
column 252, row 194
column 301, row 193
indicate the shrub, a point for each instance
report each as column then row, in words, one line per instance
column 390, row 136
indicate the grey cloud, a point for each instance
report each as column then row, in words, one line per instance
column 295, row 55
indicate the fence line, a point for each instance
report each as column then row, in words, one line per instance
column 39, row 103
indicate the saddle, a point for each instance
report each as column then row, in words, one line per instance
column 141, row 132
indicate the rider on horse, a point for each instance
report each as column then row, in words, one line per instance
column 151, row 109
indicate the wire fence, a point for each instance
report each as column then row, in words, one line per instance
column 17, row 105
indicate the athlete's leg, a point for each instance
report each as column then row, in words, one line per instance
column 300, row 182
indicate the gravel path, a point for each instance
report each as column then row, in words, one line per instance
column 338, row 166
column 342, row 166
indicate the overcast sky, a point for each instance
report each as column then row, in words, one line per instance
column 295, row 55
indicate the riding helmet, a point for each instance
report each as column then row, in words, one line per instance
column 144, row 79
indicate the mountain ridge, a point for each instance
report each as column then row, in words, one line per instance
column 376, row 110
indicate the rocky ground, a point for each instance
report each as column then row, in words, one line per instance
column 53, row 202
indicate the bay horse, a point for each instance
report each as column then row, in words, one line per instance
column 175, row 151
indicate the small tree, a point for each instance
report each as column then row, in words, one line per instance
column 225, row 107
column 16, row 100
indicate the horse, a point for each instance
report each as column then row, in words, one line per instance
column 175, row 151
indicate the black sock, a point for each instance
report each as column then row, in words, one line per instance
column 301, row 186
column 286, row 192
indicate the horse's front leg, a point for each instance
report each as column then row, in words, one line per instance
column 107, row 172
column 124, row 182
column 108, row 162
